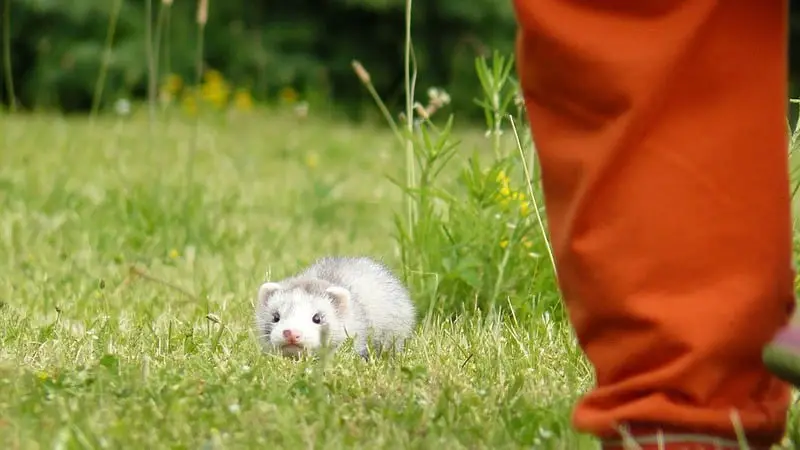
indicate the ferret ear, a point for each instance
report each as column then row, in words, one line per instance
column 340, row 297
column 266, row 290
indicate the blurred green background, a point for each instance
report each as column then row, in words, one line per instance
column 271, row 51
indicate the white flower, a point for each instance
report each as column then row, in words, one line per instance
column 122, row 107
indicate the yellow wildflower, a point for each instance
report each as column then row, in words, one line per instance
column 524, row 208
column 215, row 91
column 288, row 95
column 242, row 100
column 212, row 76
column 505, row 192
column 502, row 178
column 312, row 160
column 527, row 243
column 504, row 243
column 173, row 254
column 523, row 203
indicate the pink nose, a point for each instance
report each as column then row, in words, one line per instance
column 291, row 335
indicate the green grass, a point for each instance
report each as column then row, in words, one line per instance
column 94, row 358
column 126, row 308
column 126, row 297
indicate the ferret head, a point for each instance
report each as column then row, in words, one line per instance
column 301, row 316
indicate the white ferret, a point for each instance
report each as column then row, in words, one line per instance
column 331, row 300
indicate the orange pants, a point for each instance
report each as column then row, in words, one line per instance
column 661, row 131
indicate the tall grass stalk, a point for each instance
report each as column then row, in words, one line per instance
column 163, row 17
column 366, row 80
column 202, row 18
column 107, row 52
column 151, row 65
column 12, row 98
column 167, row 37
column 410, row 78
column 410, row 85
column 529, row 184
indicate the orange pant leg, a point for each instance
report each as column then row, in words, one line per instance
column 661, row 132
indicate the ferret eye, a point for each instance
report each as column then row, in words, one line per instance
column 317, row 318
column 276, row 317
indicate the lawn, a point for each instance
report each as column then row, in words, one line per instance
column 126, row 314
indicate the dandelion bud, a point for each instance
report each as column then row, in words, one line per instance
column 438, row 97
column 361, row 72
column 421, row 111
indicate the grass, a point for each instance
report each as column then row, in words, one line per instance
column 94, row 358
column 126, row 314
column 132, row 249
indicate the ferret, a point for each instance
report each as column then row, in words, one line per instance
column 334, row 298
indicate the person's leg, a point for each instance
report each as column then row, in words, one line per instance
column 661, row 132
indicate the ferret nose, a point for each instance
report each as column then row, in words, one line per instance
column 291, row 335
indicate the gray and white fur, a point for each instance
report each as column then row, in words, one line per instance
column 334, row 298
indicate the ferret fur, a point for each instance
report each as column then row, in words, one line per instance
column 356, row 297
